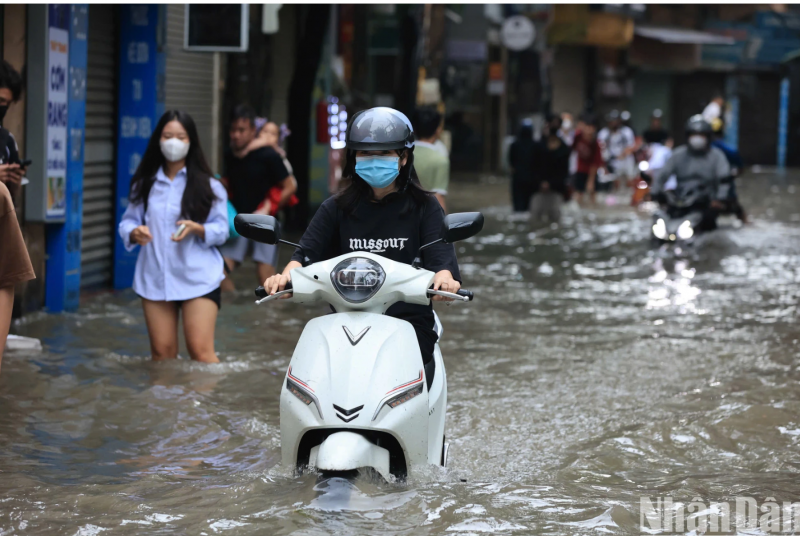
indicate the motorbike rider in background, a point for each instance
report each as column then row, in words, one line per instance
column 698, row 161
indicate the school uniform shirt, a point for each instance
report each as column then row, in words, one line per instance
column 615, row 143
column 386, row 228
column 167, row 270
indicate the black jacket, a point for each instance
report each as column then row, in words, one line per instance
column 393, row 228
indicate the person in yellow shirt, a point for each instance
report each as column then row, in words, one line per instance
column 431, row 165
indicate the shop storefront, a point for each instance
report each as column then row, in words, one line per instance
column 96, row 87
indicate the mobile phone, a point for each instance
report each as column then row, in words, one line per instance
column 177, row 233
column 25, row 163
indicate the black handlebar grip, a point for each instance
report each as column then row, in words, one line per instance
column 261, row 292
column 467, row 293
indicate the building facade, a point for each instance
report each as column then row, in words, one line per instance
column 98, row 77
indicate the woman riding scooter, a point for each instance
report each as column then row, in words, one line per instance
column 381, row 208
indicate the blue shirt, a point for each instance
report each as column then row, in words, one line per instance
column 167, row 270
column 734, row 159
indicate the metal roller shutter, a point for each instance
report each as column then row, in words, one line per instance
column 189, row 83
column 97, row 238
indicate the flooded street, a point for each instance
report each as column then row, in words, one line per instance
column 588, row 372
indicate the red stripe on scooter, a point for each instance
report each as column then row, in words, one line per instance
column 300, row 382
column 407, row 384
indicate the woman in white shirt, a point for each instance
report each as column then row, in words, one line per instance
column 178, row 215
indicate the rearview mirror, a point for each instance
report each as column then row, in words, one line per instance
column 461, row 226
column 258, row 227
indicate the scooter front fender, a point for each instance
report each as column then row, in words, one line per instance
column 346, row 451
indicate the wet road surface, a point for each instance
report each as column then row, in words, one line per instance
column 587, row 372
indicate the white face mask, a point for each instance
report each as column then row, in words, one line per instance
column 697, row 142
column 174, row 149
column 566, row 124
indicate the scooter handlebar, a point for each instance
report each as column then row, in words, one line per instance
column 466, row 293
column 461, row 295
column 262, row 293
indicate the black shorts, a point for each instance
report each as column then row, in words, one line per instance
column 579, row 181
column 215, row 296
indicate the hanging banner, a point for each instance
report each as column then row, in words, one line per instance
column 57, row 94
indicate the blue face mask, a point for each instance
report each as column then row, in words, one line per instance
column 378, row 171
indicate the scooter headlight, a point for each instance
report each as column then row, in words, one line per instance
column 302, row 392
column 644, row 165
column 660, row 229
column 685, row 230
column 299, row 392
column 401, row 394
column 357, row 279
column 404, row 397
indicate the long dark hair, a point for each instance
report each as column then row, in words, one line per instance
column 355, row 189
column 198, row 196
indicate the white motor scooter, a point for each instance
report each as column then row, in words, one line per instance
column 356, row 393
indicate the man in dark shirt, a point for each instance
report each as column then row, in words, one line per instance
column 258, row 183
column 550, row 171
column 656, row 133
column 11, row 173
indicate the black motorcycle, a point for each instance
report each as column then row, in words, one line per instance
column 685, row 212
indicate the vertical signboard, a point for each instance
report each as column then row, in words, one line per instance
column 783, row 123
column 138, row 107
column 58, row 34
column 76, row 114
column 66, row 116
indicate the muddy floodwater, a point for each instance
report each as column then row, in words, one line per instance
column 588, row 372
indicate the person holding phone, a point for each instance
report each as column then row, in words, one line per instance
column 178, row 214
column 12, row 170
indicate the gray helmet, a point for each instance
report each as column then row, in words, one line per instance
column 697, row 125
column 379, row 129
column 657, row 113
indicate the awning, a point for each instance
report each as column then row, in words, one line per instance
column 682, row 36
